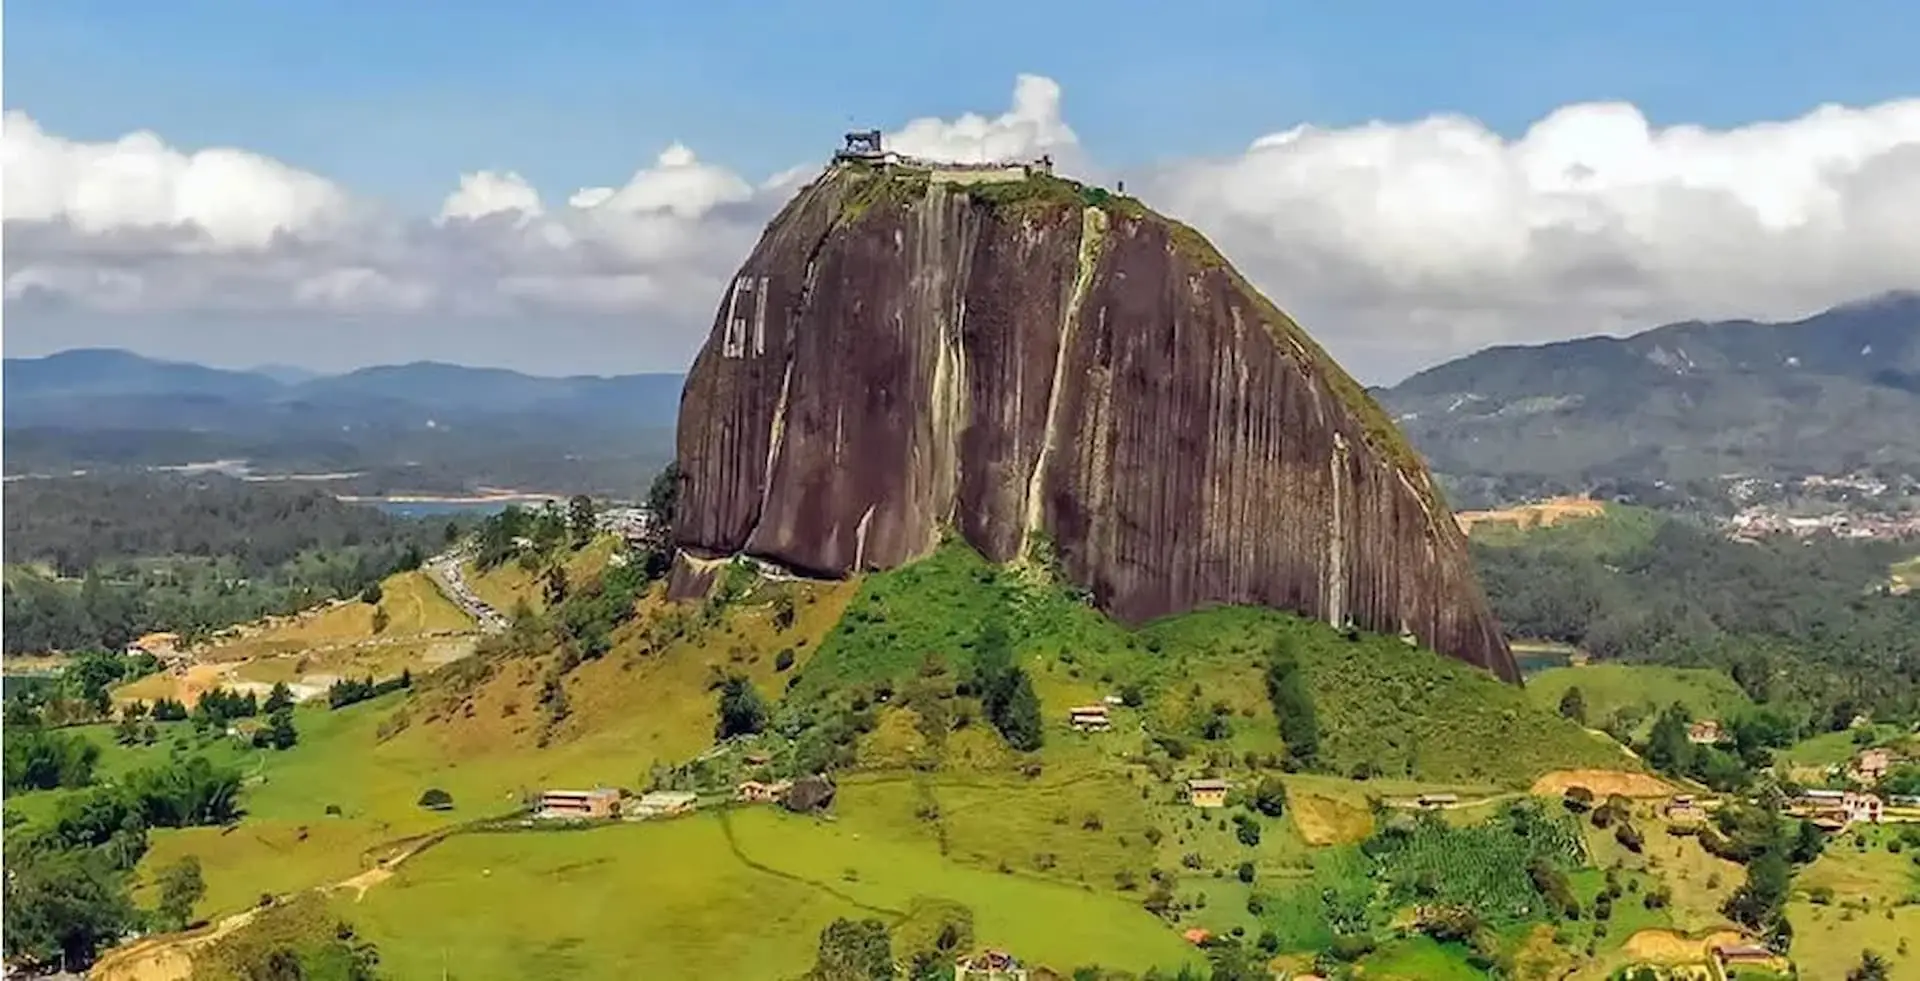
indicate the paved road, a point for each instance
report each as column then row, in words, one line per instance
column 444, row 569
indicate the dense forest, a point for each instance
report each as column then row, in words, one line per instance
column 93, row 562
column 1809, row 622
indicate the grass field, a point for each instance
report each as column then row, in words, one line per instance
column 1700, row 882
column 1419, row 959
column 1857, row 866
column 1827, row 940
column 1607, row 688
column 740, row 897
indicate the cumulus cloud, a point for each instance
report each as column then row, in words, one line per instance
column 1397, row 243
column 1440, row 236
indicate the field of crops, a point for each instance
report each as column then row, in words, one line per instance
column 1483, row 865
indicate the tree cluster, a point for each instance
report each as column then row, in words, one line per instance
column 1804, row 621
column 1292, row 700
column 67, row 888
column 1005, row 690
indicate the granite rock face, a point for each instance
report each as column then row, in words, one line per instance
column 1036, row 363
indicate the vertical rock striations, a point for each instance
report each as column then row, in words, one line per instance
column 899, row 355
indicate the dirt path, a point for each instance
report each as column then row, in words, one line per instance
column 169, row 957
column 1602, row 783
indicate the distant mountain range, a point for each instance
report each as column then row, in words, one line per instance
column 95, row 408
column 1690, row 401
column 1683, row 403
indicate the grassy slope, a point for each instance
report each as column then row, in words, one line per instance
column 1883, row 886
column 630, row 710
column 1407, row 713
column 503, row 585
column 1011, row 846
column 1620, row 529
column 1607, row 688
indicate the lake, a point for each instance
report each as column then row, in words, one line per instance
column 431, row 509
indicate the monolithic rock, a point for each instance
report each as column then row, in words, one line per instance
column 1037, row 364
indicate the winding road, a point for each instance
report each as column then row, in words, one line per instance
column 445, row 571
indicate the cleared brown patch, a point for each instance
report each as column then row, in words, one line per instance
column 1540, row 514
column 1603, row 783
column 1670, row 947
column 1326, row 821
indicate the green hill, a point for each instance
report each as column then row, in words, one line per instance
column 1082, row 851
column 1608, row 689
column 1385, row 709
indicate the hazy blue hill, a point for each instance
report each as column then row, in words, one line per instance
column 1835, row 391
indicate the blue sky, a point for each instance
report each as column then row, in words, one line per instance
column 1449, row 226
column 393, row 97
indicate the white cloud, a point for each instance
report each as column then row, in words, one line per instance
column 1439, row 236
column 486, row 193
column 1032, row 127
column 1397, row 243
column 236, row 199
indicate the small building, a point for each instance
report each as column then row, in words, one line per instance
column 245, row 729
column 1089, row 718
column 663, row 803
column 1705, row 732
column 757, row 758
column 1431, row 801
column 1743, row 955
column 989, row 965
column 1208, row 792
column 1871, row 765
column 1683, row 809
column 1197, row 936
column 1862, row 807
column 597, row 804
column 755, row 792
column 158, row 643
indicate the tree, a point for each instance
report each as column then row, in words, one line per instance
column 1872, row 967
column 1578, row 799
column 1667, row 747
column 580, row 519
column 1293, row 704
column 1006, row 693
column 742, row 710
column 1246, row 830
column 1808, row 841
column 554, row 586
column 372, row 594
column 1756, row 904
column 663, row 501
column 1020, row 721
column 1270, row 797
column 1573, row 705
column 851, row 951
column 181, row 886
column 65, row 903
column 435, row 799
column 280, row 733
column 281, row 697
